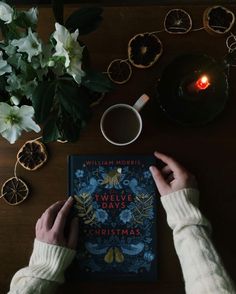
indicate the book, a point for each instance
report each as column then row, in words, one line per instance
column 115, row 200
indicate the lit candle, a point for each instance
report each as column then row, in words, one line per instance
column 201, row 84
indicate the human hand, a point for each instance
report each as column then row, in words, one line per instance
column 172, row 177
column 50, row 226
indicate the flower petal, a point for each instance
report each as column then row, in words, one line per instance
column 29, row 44
column 3, row 126
column 6, row 12
column 12, row 133
column 75, row 71
column 75, row 35
column 68, row 47
column 5, row 109
column 26, row 111
column 29, row 125
column 61, row 34
column 14, row 119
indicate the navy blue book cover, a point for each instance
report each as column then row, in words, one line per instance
column 115, row 200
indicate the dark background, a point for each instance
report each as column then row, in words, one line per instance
column 120, row 2
column 208, row 152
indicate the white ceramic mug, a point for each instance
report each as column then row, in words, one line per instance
column 121, row 124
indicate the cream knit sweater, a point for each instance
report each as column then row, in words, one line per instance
column 202, row 269
column 201, row 266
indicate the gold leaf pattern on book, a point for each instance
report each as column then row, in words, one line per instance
column 108, row 258
column 114, row 254
column 143, row 205
column 112, row 177
column 84, row 207
column 119, row 257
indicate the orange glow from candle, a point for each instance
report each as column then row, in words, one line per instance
column 202, row 83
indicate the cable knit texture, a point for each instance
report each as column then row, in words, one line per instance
column 202, row 268
column 45, row 271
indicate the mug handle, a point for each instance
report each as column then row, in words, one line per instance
column 138, row 105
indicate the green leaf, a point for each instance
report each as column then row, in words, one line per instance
column 70, row 129
column 9, row 32
column 97, row 82
column 9, row 2
column 3, row 28
column 74, row 100
column 23, row 21
column 85, row 57
column 2, row 83
column 42, row 100
column 50, row 131
column 67, row 95
column 58, row 10
column 86, row 19
column 4, row 96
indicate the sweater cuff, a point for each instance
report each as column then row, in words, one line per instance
column 50, row 261
column 182, row 208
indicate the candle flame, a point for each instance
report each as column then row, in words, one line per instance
column 204, row 79
column 202, row 83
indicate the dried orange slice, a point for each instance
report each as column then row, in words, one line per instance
column 32, row 155
column 144, row 50
column 218, row 20
column 119, row 71
column 177, row 21
column 231, row 42
column 62, row 141
column 14, row 191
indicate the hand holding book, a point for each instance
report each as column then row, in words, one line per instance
column 50, row 227
column 172, row 177
column 122, row 243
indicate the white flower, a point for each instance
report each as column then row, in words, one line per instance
column 14, row 119
column 29, row 44
column 6, row 12
column 4, row 66
column 75, row 70
column 68, row 47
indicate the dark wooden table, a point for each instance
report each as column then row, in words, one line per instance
column 209, row 152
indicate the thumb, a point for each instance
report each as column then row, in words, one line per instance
column 73, row 235
column 161, row 183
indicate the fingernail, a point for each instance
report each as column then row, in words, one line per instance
column 151, row 168
column 60, row 201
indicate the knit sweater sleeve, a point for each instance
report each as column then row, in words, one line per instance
column 45, row 271
column 202, row 268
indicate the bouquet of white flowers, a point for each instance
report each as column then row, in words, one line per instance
column 50, row 85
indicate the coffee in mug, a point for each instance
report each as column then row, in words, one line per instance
column 121, row 124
